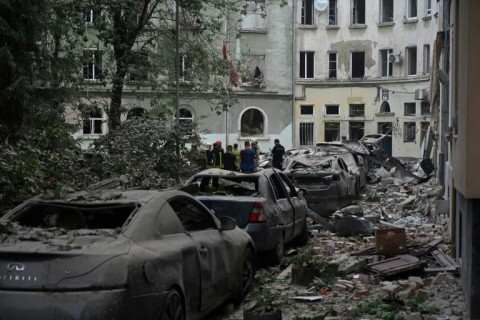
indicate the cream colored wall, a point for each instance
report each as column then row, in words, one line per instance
column 396, row 36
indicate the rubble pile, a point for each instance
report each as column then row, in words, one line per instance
column 392, row 253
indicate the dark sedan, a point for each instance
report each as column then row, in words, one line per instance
column 120, row 255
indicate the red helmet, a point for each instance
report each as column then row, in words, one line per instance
column 219, row 143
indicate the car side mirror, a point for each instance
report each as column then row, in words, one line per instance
column 227, row 223
column 301, row 192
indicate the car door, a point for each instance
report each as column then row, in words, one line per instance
column 299, row 204
column 283, row 201
column 211, row 247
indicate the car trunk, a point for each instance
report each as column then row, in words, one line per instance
column 238, row 208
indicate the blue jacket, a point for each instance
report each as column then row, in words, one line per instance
column 247, row 160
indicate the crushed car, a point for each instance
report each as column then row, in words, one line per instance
column 137, row 254
column 328, row 182
column 264, row 203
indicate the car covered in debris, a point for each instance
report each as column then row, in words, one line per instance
column 352, row 152
column 328, row 182
column 264, row 203
column 120, row 255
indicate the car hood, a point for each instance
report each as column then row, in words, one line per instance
column 69, row 261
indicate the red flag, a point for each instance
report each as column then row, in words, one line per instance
column 225, row 50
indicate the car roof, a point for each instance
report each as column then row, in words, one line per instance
column 221, row 172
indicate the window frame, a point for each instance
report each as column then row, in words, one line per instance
column 425, row 108
column 382, row 12
column 381, row 127
column 356, row 63
column 328, row 131
column 409, row 131
column 303, row 127
column 385, row 62
column 261, row 125
column 428, row 8
column 351, row 127
column 93, row 64
column 409, row 109
column 411, row 55
column 254, row 19
column 96, row 115
column 303, row 106
column 332, row 12
column 248, row 72
column 332, row 65
column 327, row 105
column 355, row 15
column 410, row 6
column 307, row 13
column 426, row 59
column 307, row 56
column 356, row 110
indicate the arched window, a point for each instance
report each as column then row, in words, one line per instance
column 385, row 107
column 136, row 112
column 252, row 123
column 185, row 116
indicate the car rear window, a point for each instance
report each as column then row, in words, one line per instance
column 72, row 217
column 235, row 185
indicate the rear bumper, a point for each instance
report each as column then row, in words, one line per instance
column 100, row 304
column 264, row 237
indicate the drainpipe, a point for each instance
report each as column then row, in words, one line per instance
column 294, row 46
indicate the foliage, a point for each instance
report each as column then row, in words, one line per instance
column 144, row 150
column 46, row 159
column 266, row 299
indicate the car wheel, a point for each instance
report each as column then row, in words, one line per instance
column 302, row 238
column 174, row 309
column 246, row 277
column 275, row 255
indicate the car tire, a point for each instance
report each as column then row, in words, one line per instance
column 174, row 306
column 247, row 274
column 275, row 256
column 302, row 238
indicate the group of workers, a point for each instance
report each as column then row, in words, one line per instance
column 245, row 160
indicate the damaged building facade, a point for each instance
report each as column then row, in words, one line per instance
column 455, row 115
column 256, row 42
column 363, row 67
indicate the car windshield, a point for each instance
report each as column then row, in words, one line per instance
column 73, row 217
column 235, row 185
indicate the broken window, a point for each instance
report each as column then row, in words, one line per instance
column 409, row 132
column 75, row 216
column 92, row 120
column 332, row 131
column 410, row 109
column 332, row 13
column 252, row 123
column 192, row 216
column 92, row 67
column 384, row 128
column 307, row 12
column 306, row 109
column 386, row 66
column 306, row 133
column 307, row 64
column 358, row 11
column 332, row 65
column 185, row 116
column 426, row 59
column 386, row 11
column 252, row 70
column 357, row 130
column 332, row 110
column 411, row 9
column 357, row 110
column 385, row 107
column 254, row 16
column 358, row 64
column 411, row 55
column 425, row 108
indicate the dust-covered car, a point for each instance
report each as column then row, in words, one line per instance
column 120, row 255
column 264, row 203
column 328, row 182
